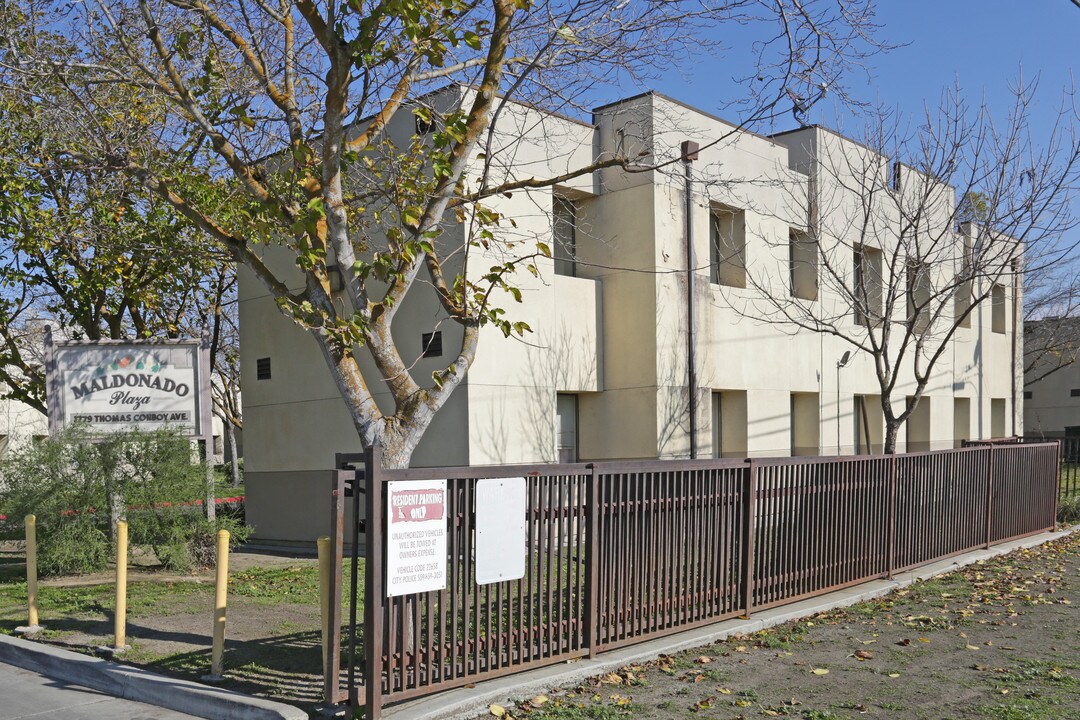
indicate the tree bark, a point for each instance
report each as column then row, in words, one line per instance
column 891, row 430
column 233, row 459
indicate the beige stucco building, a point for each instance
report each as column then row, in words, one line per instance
column 19, row 424
column 1052, row 382
column 604, row 375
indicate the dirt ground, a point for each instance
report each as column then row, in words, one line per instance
column 272, row 633
column 999, row 639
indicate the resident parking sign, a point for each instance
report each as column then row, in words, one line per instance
column 415, row 536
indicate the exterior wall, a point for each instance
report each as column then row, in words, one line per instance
column 616, row 334
column 19, row 424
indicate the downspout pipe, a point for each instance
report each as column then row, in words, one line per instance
column 689, row 155
column 1016, row 329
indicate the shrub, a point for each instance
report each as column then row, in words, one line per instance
column 68, row 481
column 1069, row 509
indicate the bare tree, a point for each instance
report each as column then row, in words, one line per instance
column 891, row 264
column 314, row 87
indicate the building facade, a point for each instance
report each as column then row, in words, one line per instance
column 605, row 374
column 1052, row 378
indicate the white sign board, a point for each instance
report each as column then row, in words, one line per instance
column 415, row 536
column 115, row 386
column 501, row 542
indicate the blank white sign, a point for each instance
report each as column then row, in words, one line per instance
column 501, row 543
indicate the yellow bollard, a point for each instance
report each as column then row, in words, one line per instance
column 324, row 596
column 120, row 620
column 31, row 573
column 221, row 595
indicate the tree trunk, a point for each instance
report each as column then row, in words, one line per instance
column 233, row 459
column 891, row 430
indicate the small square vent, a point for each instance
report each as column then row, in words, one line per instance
column 1027, row 394
column 432, row 344
column 262, row 369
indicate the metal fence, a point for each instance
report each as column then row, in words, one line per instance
column 623, row 552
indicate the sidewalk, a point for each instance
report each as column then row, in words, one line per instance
column 63, row 678
column 26, row 694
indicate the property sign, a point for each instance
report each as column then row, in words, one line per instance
column 111, row 386
column 501, row 541
column 415, row 536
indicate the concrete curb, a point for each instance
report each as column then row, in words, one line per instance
column 140, row 685
column 464, row 703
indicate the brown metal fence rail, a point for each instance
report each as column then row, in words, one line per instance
column 623, row 552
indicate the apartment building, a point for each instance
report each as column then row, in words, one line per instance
column 606, row 372
column 1052, row 378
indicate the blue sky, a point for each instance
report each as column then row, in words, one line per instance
column 981, row 44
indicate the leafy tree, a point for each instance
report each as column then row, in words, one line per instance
column 291, row 99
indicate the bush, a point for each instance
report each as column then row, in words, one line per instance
column 1069, row 509
column 68, row 481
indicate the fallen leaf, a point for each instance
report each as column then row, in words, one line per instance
column 905, row 642
column 539, row 701
column 702, row 704
column 864, row 655
column 820, row 671
column 724, row 691
column 894, row 675
column 972, row 647
column 925, row 640
column 497, row 710
column 703, row 660
column 612, row 679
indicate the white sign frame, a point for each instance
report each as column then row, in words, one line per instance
column 416, row 536
column 501, row 540
column 60, row 357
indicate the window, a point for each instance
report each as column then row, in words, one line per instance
column 1075, row 392
column 963, row 285
column 803, row 261
column 805, row 424
column 717, row 425
column 729, row 428
column 869, row 423
column 431, row 344
column 262, row 369
column 919, row 294
column 866, row 285
column 564, row 231
column 727, row 247
column 997, row 304
column 918, row 425
column 997, row 417
column 961, row 421
column 566, row 440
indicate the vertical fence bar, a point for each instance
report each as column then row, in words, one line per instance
column 331, row 678
column 989, row 493
column 1057, row 485
column 354, row 700
column 373, row 586
column 891, row 529
column 592, row 559
column 748, row 543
